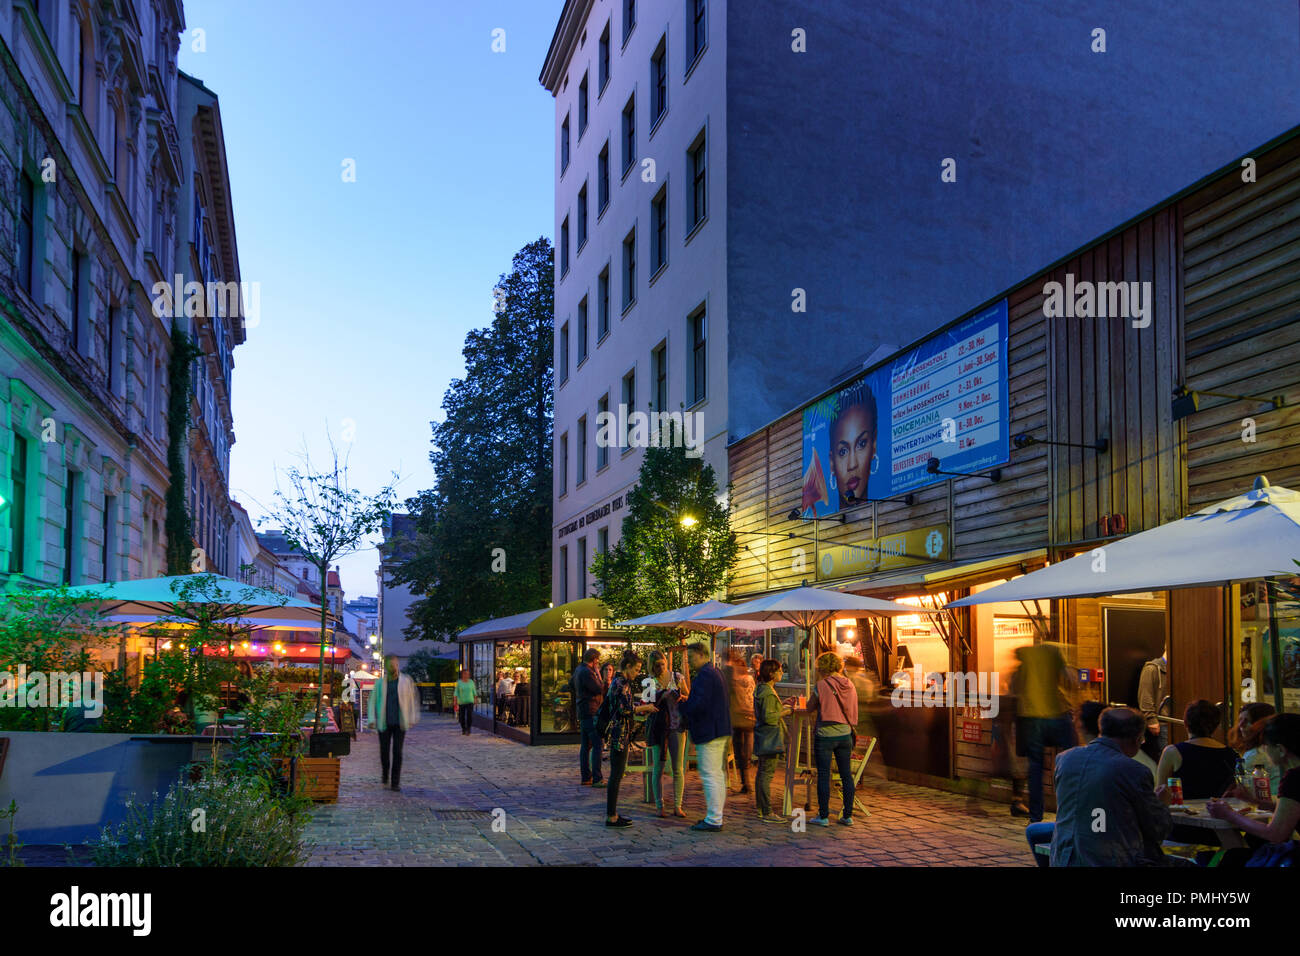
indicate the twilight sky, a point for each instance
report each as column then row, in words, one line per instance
column 368, row 287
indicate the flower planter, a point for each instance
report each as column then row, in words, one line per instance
column 316, row 778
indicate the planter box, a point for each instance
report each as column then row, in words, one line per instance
column 318, row 778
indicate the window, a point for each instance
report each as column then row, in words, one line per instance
column 70, row 536
column 582, row 330
column 602, row 316
column 582, row 449
column 110, row 533
column 697, row 30
column 582, row 106
column 564, row 145
column 629, row 18
column 602, row 447
column 602, row 541
column 629, row 401
column 78, row 299
column 696, row 164
column 602, row 178
column 659, row 231
column 602, row 60
column 564, row 575
column 562, row 469
column 27, row 233
column 113, row 323
column 18, row 505
column 629, row 269
column 564, row 247
column 659, row 82
column 659, row 369
column 78, row 61
column 582, row 217
column 582, row 568
column 699, row 354
column 564, row 353
column 629, row 133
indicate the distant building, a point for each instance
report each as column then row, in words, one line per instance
column 395, row 600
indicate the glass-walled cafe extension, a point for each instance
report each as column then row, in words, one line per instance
column 521, row 667
column 1142, row 378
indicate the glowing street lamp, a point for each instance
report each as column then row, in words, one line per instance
column 689, row 521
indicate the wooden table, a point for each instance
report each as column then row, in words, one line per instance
column 799, row 727
column 1211, row 830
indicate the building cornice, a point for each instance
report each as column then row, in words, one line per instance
column 572, row 17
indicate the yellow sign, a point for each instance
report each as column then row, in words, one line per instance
column 907, row 548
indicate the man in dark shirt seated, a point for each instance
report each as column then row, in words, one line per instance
column 1106, row 811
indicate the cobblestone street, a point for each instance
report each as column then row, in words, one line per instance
column 450, row 785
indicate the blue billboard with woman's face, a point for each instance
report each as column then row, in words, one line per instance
column 947, row 399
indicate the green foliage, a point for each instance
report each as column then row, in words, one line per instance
column 47, row 631
column 224, row 819
column 152, row 707
column 492, row 456
column 9, row 856
column 424, row 665
column 658, row 564
column 180, row 536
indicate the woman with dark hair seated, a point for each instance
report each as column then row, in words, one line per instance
column 1204, row 765
column 1281, row 746
column 1247, row 738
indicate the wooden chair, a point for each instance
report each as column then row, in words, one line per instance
column 857, row 763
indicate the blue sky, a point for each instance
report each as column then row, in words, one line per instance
column 368, row 288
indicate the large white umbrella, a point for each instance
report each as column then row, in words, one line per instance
column 154, row 600
column 698, row 617
column 807, row 607
column 1251, row 536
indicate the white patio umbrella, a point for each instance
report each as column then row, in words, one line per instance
column 1251, row 536
column 698, row 617
column 806, row 608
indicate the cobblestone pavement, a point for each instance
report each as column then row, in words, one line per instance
column 451, row 783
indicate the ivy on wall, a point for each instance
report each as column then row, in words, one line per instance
column 179, row 532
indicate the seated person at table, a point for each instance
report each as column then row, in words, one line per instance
column 1246, row 738
column 1104, row 776
column 1204, row 765
column 1281, row 746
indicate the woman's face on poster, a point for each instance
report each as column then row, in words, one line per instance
column 853, row 445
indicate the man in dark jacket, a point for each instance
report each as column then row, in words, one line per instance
column 708, row 718
column 1107, row 812
column 588, row 692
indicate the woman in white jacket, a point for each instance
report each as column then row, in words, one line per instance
column 394, row 709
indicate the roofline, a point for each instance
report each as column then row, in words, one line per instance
column 1231, row 166
column 560, row 51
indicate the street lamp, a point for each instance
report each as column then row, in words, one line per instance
column 688, row 521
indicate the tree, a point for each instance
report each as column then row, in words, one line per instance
column 180, row 539
column 482, row 543
column 677, row 546
column 326, row 519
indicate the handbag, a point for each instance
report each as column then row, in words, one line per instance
column 770, row 739
column 844, row 710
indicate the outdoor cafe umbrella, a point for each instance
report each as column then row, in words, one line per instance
column 1251, row 536
column 805, row 608
column 697, row 617
column 154, row 600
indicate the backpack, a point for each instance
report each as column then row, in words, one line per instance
column 604, row 716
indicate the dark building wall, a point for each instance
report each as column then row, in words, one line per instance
column 834, row 156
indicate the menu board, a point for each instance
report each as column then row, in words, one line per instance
column 947, row 399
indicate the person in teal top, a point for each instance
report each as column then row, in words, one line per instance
column 466, row 696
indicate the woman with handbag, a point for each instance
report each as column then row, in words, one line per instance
column 663, row 734
column 835, row 701
column 769, row 737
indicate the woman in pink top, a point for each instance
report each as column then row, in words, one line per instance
column 835, row 701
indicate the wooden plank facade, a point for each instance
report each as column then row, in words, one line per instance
column 1223, row 263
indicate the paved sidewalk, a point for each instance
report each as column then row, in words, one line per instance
column 451, row 784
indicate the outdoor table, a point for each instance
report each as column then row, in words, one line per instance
column 1211, row 830
column 799, row 724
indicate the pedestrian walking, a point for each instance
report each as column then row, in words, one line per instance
column 664, row 736
column 588, row 692
column 835, row 701
column 740, row 696
column 623, row 708
column 1043, row 716
column 394, row 709
column 708, row 720
column 769, row 737
column 466, row 698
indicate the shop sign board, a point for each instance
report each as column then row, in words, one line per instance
column 915, row 546
column 947, row 399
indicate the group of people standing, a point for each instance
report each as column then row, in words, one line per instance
column 734, row 705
